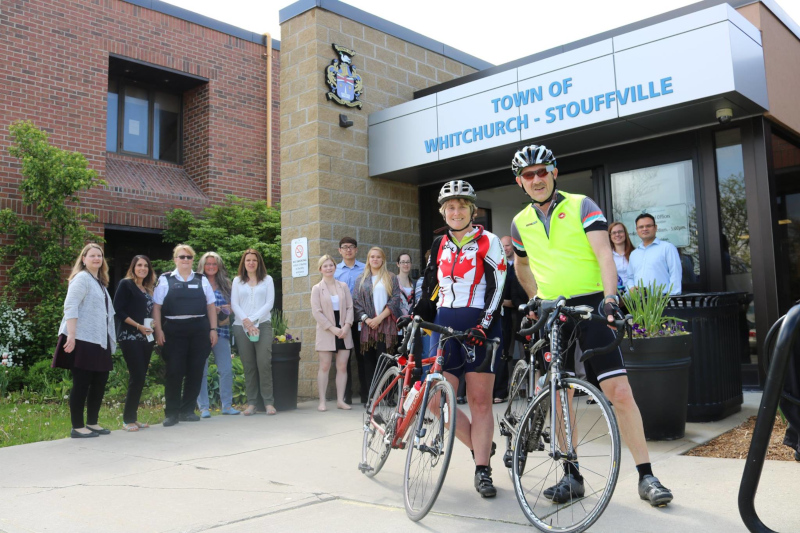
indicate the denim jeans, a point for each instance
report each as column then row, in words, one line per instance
column 222, row 356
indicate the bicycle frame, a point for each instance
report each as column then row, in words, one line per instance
column 402, row 419
column 554, row 374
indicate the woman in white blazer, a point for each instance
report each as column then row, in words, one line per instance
column 332, row 307
column 86, row 340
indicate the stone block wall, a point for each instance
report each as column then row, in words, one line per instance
column 326, row 189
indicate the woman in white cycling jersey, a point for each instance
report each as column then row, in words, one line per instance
column 469, row 266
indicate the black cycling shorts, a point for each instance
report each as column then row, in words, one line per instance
column 592, row 335
column 456, row 359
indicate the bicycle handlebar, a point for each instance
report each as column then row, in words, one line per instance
column 621, row 325
column 450, row 332
column 551, row 309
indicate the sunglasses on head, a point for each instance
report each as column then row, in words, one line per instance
column 185, row 257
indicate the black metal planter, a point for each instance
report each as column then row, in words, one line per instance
column 715, row 380
column 285, row 374
column 658, row 371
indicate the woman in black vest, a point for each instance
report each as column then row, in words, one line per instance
column 133, row 303
column 185, row 322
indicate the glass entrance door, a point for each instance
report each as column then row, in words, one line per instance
column 786, row 169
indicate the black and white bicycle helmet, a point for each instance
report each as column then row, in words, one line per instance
column 532, row 155
column 457, row 189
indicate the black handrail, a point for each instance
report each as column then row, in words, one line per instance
column 765, row 422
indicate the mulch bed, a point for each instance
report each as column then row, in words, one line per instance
column 736, row 443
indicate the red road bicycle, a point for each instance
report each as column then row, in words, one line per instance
column 393, row 409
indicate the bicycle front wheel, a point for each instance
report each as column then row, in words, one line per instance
column 429, row 450
column 540, row 459
column 378, row 420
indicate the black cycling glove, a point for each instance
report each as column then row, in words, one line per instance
column 612, row 309
column 476, row 336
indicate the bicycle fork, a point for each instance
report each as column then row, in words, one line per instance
column 563, row 396
column 420, row 431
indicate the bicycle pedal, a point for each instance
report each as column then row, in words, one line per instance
column 364, row 468
column 508, row 459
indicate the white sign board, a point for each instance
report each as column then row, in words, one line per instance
column 299, row 251
column 705, row 54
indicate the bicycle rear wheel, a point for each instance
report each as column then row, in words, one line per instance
column 377, row 443
column 429, row 455
column 597, row 444
column 518, row 401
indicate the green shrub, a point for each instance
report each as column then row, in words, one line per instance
column 52, row 182
column 49, row 383
column 228, row 229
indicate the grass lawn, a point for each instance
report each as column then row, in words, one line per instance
column 24, row 422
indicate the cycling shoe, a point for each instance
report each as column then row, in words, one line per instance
column 566, row 490
column 651, row 489
column 484, row 484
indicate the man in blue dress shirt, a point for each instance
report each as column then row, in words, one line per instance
column 654, row 259
column 348, row 271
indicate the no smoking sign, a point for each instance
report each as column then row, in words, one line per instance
column 300, row 257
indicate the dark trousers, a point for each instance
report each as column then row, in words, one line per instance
column 363, row 385
column 186, row 348
column 88, row 388
column 137, row 357
column 503, row 375
column 370, row 358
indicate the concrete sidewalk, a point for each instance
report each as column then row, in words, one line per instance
column 297, row 472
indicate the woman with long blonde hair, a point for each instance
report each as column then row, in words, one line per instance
column 86, row 340
column 379, row 300
column 213, row 268
column 332, row 307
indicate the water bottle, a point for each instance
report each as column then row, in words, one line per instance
column 412, row 394
column 539, row 386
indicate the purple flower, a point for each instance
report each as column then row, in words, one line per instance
column 289, row 337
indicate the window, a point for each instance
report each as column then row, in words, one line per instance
column 111, row 120
column 667, row 193
column 143, row 121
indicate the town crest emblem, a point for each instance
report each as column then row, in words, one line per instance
column 342, row 78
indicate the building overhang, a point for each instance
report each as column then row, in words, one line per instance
column 667, row 77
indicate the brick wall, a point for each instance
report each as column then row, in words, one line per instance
column 327, row 192
column 54, row 71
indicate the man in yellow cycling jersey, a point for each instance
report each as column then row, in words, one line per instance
column 562, row 248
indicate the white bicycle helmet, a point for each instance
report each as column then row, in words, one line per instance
column 457, row 189
column 532, row 155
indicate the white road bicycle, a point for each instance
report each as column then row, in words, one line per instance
column 568, row 420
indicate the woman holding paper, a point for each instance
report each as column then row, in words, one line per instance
column 133, row 305
column 252, row 297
